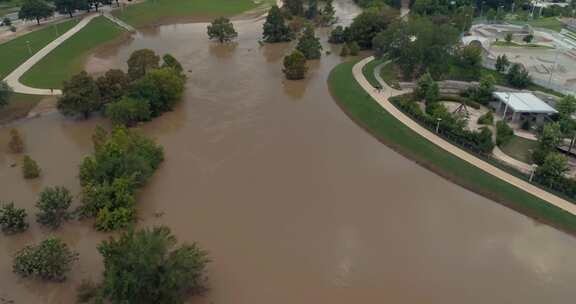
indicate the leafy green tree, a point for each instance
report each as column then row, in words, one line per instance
column 553, row 168
column 170, row 62
column 295, row 66
column 503, row 133
column 295, row 7
column 470, row 59
column 67, row 6
column 338, row 35
column 566, row 106
column 141, row 62
column 119, row 218
column 35, row 10
column 508, row 37
column 502, row 63
column 80, row 95
column 222, row 30
column 99, row 137
column 548, row 140
column 30, row 169
column 5, row 94
column 12, row 219
column 16, row 144
column 486, row 119
column 427, row 89
column 518, row 76
column 368, row 24
column 162, row 88
column 275, row 28
column 111, row 196
column 53, row 205
column 128, row 111
column 50, row 260
column 309, row 45
column 112, row 85
column 147, row 267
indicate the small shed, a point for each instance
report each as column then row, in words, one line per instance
column 519, row 106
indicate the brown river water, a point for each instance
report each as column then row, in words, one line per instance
column 295, row 202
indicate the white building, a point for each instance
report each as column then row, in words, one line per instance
column 517, row 107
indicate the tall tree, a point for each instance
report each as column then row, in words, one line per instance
column 141, row 62
column 53, row 204
column 312, row 10
column 161, row 88
column 80, row 95
column 328, row 14
column 368, row 24
column 309, row 44
column 222, row 30
column 67, row 6
column 50, row 260
column 112, row 85
column 275, row 28
column 35, row 10
column 148, row 267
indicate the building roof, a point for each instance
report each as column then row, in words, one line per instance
column 525, row 103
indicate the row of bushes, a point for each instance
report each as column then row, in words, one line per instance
column 478, row 142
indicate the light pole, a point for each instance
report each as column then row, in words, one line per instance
column 532, row 173
column 28, row 45
column 555, row 64
column 438, row 120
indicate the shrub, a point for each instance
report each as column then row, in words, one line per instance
column 12, row 219
column 53, row 205
column 16, row 144
column 87, row 291
column 30, row 168
column 345, row 51
column 553, row 168
column 338, row 35
column 503, row 133
column 50, row 260
column 354, row 48
column 518, row 76
column 309, row 45
column 486, row 119
column 295, row 66
column 161, row 88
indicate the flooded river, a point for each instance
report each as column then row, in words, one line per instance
column 295, row 202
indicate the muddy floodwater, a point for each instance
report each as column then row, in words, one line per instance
column 295, row 202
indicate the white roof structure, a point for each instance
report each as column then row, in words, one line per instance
column 524, row 103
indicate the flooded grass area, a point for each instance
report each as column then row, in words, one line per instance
column 68, row 58
column 18, row 107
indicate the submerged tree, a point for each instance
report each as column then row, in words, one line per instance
column 275, row 28
column 80, row 95
column 12, row 219
column 222, row 30
column 148, row 267
column 5, row 94
column 53, row 205
column 112, row 85
column 50, row 260
column 309, row 44
column 30, row 168
column 295, row 66
column 141, row 62
column 16, row 144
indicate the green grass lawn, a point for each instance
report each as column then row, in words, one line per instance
column 368, row 72
column 19, row 106
column 152, row 10
column 550, row 23
column 390, row 76
column 520, row 148
column 68, row 58
column 368, row 114
column 15, row 52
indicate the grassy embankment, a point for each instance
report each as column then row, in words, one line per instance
column 68, row 58
column 524, row 45
column 151, row 11
column 373, row 118
column 550, row 23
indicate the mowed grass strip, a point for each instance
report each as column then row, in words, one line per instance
column 150, row 11
column 15, row 52
column 372, row 117
column 68, row 58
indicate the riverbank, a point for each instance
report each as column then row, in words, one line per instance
column 365, row 111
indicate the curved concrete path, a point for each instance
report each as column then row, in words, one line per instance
column 387, row 92
column 13, row 79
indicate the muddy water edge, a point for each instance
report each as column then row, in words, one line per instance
column 295, row 203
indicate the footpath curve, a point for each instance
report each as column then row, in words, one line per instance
column 387, row 92
column 13, row 79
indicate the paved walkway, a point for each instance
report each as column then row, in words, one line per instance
column 13, row 79
column 382, row 99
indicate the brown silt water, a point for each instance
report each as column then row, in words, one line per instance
column 294, row 201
